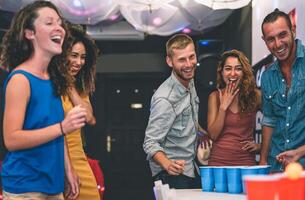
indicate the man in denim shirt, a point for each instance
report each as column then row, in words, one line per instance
column 283, row 91
column 170, row 140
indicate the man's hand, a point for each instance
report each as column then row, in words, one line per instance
column 72, row 185
column 175, row 167
column 288, row 157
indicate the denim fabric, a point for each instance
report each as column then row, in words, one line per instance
column 172, row 124
column 284, row 108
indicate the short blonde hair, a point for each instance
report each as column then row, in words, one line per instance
column 178, row 41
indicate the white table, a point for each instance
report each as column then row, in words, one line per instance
column 198, row 194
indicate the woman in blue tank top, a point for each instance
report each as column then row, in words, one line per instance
column 34, row 123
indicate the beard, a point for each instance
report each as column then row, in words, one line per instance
column 184, row 75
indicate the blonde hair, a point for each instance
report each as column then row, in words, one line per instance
column 178, row 41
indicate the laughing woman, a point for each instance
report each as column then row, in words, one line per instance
column 34, row 125
column 81, row 64
column 231, row 112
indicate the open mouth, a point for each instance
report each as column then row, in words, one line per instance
column 233, row 79
column 187, row 70
column 56, row 39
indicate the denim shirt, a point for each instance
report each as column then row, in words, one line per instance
column 284, row 108
column 172, row 124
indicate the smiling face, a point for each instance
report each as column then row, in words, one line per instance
column 48, row 34
column 232, row 71
column 279, row 39
column 77, row 58
column 183, row 62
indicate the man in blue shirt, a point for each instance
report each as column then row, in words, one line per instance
column 170, row 137
column 283, row 91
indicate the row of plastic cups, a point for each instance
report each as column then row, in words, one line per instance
column 228, row 178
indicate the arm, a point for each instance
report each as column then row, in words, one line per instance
column 161, row 119
column 76, row 99
column 16, row 100
column 251, row 146
column 216, row 116
column 72, row 180
column 291, row 155
column 217, row 109
column 267, row 133
column 173, row 167
column 268, row 122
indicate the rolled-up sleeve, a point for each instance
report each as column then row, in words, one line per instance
column 268, row 115
column 161, row 118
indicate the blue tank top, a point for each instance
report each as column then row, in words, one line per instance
column 38, row 169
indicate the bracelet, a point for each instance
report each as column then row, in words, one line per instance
column 61, row 129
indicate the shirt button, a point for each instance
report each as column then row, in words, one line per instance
column 289, row 107
column 283, row 80
column 270, row 96
column 283, row 95
column 287, row 141
column 287, row 124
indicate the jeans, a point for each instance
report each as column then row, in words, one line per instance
column 178, row 182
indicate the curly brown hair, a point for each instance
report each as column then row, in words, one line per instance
column 85, row 79
column 248, row 97
column 16, row 48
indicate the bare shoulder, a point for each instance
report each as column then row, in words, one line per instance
column 18, row 80
column 213, row 96
column 18, row 86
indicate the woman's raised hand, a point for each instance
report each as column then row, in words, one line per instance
column 227, row 95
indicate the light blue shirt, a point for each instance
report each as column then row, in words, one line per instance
column 172, row 124
column 283, row 108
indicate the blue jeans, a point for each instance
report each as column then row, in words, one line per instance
column 178, row 182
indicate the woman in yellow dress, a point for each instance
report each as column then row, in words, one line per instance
column 81, row 62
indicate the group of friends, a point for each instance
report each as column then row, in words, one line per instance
column 173, row 132
column 46, row 103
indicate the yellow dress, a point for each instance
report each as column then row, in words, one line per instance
column 88, row 188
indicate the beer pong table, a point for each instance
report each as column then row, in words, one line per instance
column 198, row 194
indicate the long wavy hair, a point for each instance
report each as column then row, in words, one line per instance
column 16, row 48
column 248, row 96
column 85, row 78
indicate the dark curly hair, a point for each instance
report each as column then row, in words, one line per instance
column 85, row 78
column 16, row 48
column 248, row 96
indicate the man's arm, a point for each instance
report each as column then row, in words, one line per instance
column 173, row 167
column 161, row 119
column 266, row 133
column 291, row 155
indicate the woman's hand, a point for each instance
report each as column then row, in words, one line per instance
column 75, row 119
column 251, row 146
column 227, row 95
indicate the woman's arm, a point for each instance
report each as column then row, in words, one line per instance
column 216, row 116
column 16, row 99
column 76, row 99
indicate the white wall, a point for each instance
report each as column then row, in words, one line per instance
column 260, row 8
